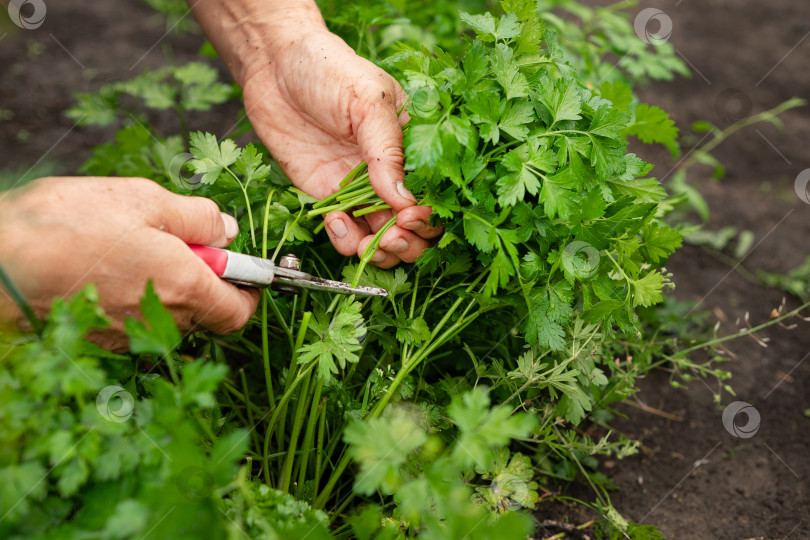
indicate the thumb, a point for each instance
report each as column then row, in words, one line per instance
column 380, row 138
column 195, row 220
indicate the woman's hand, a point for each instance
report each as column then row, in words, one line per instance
column 58, row 234
column 321, row 110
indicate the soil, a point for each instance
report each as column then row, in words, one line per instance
column 693, row 479
column 80, row 47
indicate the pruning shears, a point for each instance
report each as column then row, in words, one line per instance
column 246, row 270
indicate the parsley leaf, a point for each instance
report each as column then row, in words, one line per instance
column 212, row 157
column 652, row 125
column 382, row 447
column 488, row 29
column 337, row 339
column 484, row 429
column 161, row 336
column 647, row 290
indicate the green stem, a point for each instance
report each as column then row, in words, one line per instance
column 720, row 136
column 247, row 205
column 280, row 319
column 287, row 229
column 344, row 204
column 359, row 187
column 319, row 503
column 238, row 413
column 718, row 341
column 343, row 184
column 286, row 475
column 282, row 404
column 252, row 425
column 299, row 342
column 302, row 330
column 349, row 498
column 19, row 298
column 435, row 342
column 268, row 381
column 229, row 386
column 266, row 221
column 371, row 248
column 309, row 435
column 358, row 170
column 319, row 451
column 371, row 209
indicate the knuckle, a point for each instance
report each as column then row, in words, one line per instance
column 387, row 152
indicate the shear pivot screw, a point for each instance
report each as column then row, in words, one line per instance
column 289, row 261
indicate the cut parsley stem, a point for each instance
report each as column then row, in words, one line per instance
column 371, row 209
column 355, row 190
column 346, row 204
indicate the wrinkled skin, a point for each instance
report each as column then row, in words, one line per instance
column 321, row 110
column 62, row 233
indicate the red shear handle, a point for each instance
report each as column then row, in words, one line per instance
column 216, row 259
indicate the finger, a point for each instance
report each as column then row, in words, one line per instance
column 220, row 306
column 195, row 220
column 344, row 232
column 381, row 258
column 231, row 309
column 417, row 219
column 406, row 245
column 379, row 135
column 376, row 220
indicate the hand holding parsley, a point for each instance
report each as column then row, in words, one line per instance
column 321, row 110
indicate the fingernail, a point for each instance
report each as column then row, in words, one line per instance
column 338, row 228
column 417, row 225
column 397, row 246
column 231, row 226
column 404, row 192
column 378, row 257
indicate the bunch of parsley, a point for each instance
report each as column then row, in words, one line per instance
column 553, row 245
column 528, row 171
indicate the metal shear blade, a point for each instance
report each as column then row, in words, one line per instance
column 296, row 278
